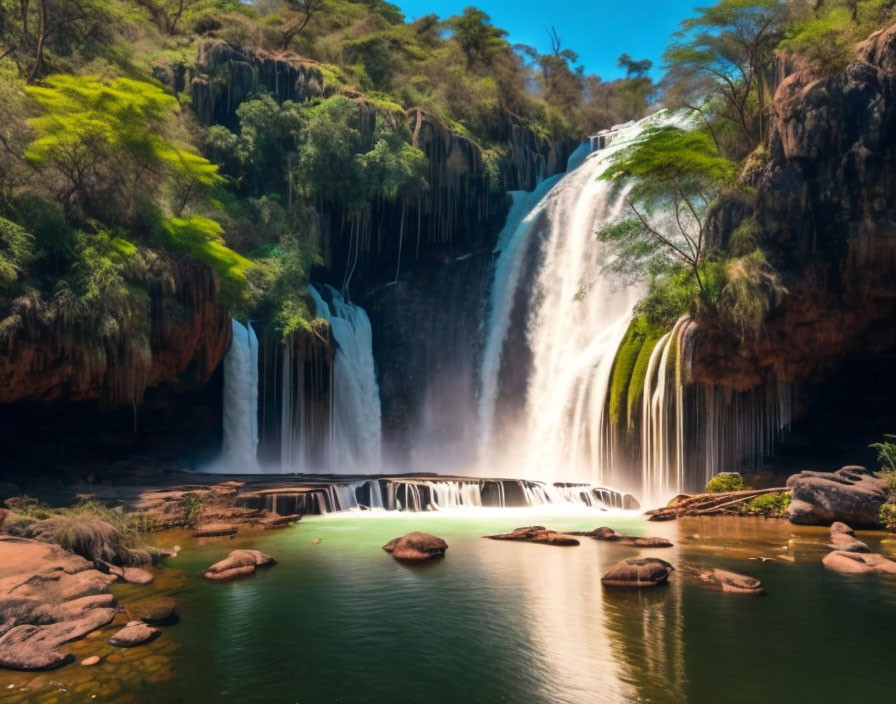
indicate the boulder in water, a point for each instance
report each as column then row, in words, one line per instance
column 239, row 563
column 858, row 563
column 159, row 609
column 416, row 547
column 732, row 582
column 840, row 527
column 848, row 543
column 608, row 534
column 536, row 534
column 852, row 495
column 638, row 573
column 135, row 633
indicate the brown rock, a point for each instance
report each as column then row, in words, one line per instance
column 858, row 563
column 30, row 647
column 215, row 530
column 135, row 633
column 847, row 543
column 537, row 534
column 416, row 547
column 239, row 563
column 840, row 527
column 608, row 534
column 134, row 575
column 152, row 610
column 638, row 573
column 92, row 660
column 732, row 582
column 851, row 494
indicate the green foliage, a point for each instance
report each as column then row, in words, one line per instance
column 724, row 482
column 886, row 452
column 772, row 505
column 203, row 239
column 825, row 33
column 191, row 505
column 478, row 38
column 888, row 516
column 16, row 251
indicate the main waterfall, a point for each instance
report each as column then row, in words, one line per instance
column 576, row 320
column 544, row 390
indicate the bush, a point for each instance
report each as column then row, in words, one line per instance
column 726, row 481
column 888, row 516
column 768, row 505
column 886, row 452
column 90, row 537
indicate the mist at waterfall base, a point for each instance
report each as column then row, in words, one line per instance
column 537, row 410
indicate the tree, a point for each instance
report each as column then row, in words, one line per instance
column 108, row 144
column 634, row 69
column 728, row 49
column 477, row 37
column 673, row 175
column 301, row 12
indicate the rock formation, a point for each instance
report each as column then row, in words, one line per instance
column 416, row 547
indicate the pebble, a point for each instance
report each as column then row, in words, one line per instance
column 92, row 660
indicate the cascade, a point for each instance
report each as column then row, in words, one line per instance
column 240, row 420
column 355, row 417
column 576, row 320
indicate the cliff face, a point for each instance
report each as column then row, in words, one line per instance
column 45, row 357
column 826, row 212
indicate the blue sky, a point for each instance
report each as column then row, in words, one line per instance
column 598, row 31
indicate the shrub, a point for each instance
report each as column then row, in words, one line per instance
column 726, row 481
column 191, row 505
column 888, row 516
column 90, row 537
column 768, row 505
column 886, row 452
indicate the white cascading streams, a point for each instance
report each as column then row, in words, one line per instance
column 356, row 433
column 577, row 320
column 240, row 403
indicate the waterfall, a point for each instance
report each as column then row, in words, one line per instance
column 240, row 420
column 555, row 423
column 355, row 418
column 576, row 321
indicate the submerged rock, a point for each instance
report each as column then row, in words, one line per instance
column 852, row 495
column 154, row 610
column 732, row 582
column 135, row 633
column 416, row 547
column 638, row 573
column 536, row 534
column 858, row 563
column 92, row 660
column 215, row 530
column 239, row 563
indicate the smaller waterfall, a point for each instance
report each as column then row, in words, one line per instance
column 240, row 403
column 355, row 431
column 691, row 433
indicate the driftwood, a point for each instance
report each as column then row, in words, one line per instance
column 708, row 504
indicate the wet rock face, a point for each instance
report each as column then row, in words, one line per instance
column 135, row 633
column 826, row 206
column 852, row 495
column 188, row 331
column 638, row 574
column 225, row 75
column 416, row 547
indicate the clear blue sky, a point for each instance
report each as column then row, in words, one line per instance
column 598, row 31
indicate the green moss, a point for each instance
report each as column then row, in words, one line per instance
column 768, row 505
column 640, row 334
column 638, row 376
column 725, row 481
